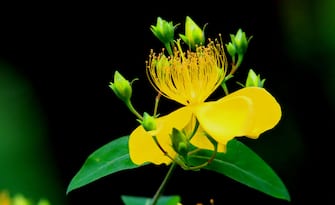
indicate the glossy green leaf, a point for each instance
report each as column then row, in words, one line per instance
column 163, row 200
column 108, row 159
column 245, row 166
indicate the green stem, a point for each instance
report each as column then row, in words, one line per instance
column 168, row 48
column 133, row 110
column 239, row 61
column 224, row 85
column 237, row 65
column 163, row 184
column 233, row 69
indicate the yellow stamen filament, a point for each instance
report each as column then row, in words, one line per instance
column 188, row 78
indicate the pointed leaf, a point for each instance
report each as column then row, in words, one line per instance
column 108, row 159
column 245, row 166
column 163, row 200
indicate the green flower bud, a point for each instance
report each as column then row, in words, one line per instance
column 254, row 80
column 179, row 142
column 121, row 87
column 231, row 50
column 194, row 35
column 163, row 30
column 240, row 41
column 148, row 122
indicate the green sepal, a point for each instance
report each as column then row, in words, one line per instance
column 163, row 30
column 179, row 142
column 245, row 166
column 108, row 159
column 163, row 200
column 254, row 80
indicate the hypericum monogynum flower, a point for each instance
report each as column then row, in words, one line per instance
column 189, row 78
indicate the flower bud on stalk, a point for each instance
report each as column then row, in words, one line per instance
column 148, row 122
column 240, row 41
column 164, row 31
column 194, row 35
column 238, row 46
column 121, row 87
column 231, row 51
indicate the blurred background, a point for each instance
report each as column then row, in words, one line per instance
column 56, row 62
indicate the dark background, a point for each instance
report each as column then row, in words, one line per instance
column 56, row 62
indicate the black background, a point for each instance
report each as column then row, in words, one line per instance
column 70, row 51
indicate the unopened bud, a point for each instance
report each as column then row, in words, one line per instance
column 254, row 80
column 121, row 87
column 194, row 35
column 148, row 122
column 240, row 41
column 163, row 30
column 179, row 142
column 231, row 49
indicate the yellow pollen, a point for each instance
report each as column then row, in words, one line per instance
column 188, row 77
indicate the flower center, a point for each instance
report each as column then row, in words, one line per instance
column 188, row 77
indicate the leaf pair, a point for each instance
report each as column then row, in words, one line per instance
column 239, row 163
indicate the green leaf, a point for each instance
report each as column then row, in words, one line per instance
column 245, row 166
column 108, row 159
column 163, row 200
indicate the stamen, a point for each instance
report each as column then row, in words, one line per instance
column 191, row 77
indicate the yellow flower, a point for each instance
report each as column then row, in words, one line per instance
column 190, row 78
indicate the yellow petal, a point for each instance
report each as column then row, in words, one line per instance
column 226, row 118
column 201, row 141
column 142, row 147
column 267, row 111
